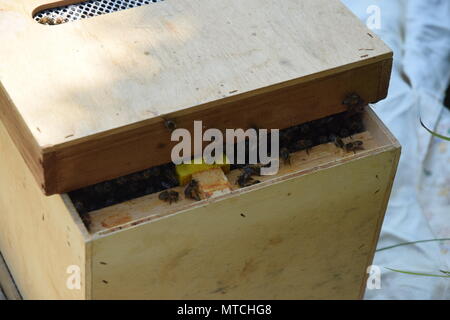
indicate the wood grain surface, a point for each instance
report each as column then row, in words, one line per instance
column 76, row 95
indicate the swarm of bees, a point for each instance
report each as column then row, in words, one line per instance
column 52, row 20
column 305, row 136
column 104, row 194
column 162, row 178
column 308, row 135
column 190, row 192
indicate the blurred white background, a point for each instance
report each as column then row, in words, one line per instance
column 418, row 31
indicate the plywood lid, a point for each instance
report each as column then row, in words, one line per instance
column 85, row 100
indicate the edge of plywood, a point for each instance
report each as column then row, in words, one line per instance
column 41, row 237
column 396, row 157
column 22, row 136
column 7, row 284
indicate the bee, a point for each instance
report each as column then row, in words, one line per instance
column 285, row 155
column 86, row 218
column 305, row 144
column 334, row 126
column 80, row 207
column 344, row 132
column 167, row 179
column 351, row 146
column 103, row 188
column 59, row 20
column 121, row 180
column 354, row 145
column 332, row 137
column 305, row 128
column 169, row 196
column 252, row 170
column 110, row 202
column 192, row 190
column 136, row 177
column 339, row 143
column 321, row 131
column 246, row 180
column 132, row 187
column 354, row 103
column 168, row 176
column 325, row 121
column 146, row 174
column 323, row 139
column 152, row 172
column 83, row 211
column 149, row 190
column 44, row 20
column 355, row 124
column 287, row 135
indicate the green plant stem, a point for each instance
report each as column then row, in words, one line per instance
column 434, row 133
column 419, row 274
column 413, row 242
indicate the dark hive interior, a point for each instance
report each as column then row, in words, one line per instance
column 160, row 178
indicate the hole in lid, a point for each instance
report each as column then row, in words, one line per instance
column 86, row 9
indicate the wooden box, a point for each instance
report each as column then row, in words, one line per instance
column 87, row 101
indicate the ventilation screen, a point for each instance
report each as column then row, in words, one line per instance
column 86, row 9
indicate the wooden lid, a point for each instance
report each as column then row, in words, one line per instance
column 86, row 101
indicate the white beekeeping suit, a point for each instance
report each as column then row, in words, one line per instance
column 418, row 31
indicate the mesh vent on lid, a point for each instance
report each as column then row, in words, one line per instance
column 86, row 9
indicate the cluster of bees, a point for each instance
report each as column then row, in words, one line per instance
column 162, row 178
column 192, row 189
column 52, row 20
column 302, row 137
column 190, row 192
column 124, row 188
column 308, row 135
